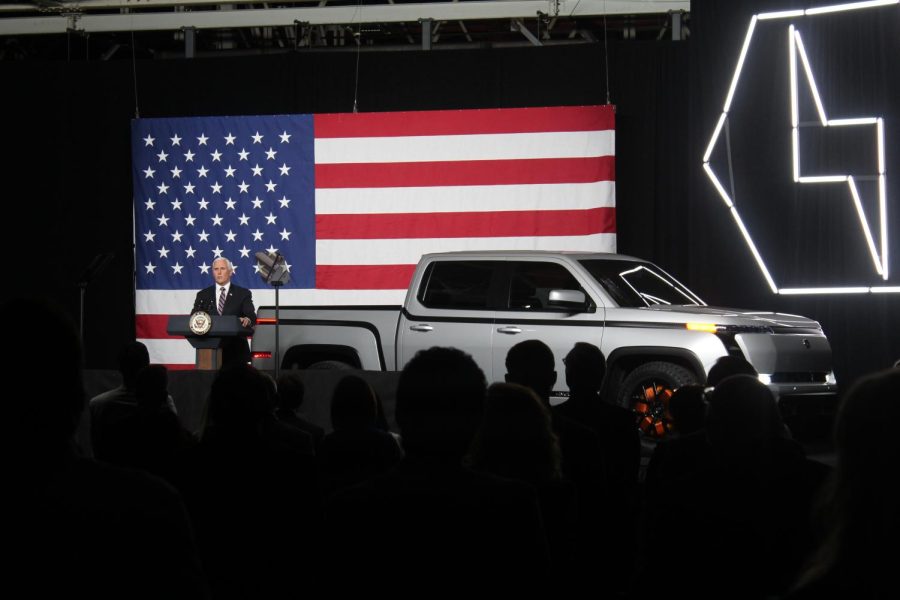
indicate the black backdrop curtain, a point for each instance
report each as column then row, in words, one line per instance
column 66, row 165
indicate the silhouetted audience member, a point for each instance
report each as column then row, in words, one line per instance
column 282, row 435
column 745, row 516
column 357, row 449
column 115, row 405
column 726, row 366
column 73, row 527
column 687, row 450
column 860, row 512
column 255, row 503
column 530, row 363
column 290, row 399
column 432, row 522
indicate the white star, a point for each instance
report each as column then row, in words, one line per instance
column 271, row 249
column 204, row 268
column 202, row 139
column 176, row 237
column 270, row 187
column 243, row 154
column 149, row 204
column 189, row 156
column 229, row 172
column 257, row 235
column 244, row 219
column 148, row 141
column 270, row 154
column 285, row 137
column 244, row 187
column 256, row 267
column 257, row 170
column 203, row 203
column 287, row 266
column 270, row 219
column 176, row 141
column 216, row 188
column 217, row 252
column 163, row 188
column 176, row 204
column 217, row 220
column 150, row 267
column 163, row 221
column 229, row 139
column 229, row 237
column 177, row 269
column 284, row 202
column 163, row 252
column 190, row 220
column 189, row 188
column 176, row 173
column 203, row 236
column 285, row 170
column 245, row 251
column 216, row 156
column 202, row 171
column 148, row 173
column 234, row 268
column 257, row 203
column 285, row 234
column 190, row 251
column 257, row 139
column 162, row 156
column 149, row 236
column 229, row 204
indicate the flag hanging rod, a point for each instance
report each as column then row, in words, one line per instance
column 313, row 15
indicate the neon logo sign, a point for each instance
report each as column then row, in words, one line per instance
column 879, row 255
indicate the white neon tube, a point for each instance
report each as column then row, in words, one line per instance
column 824, row 179
column 715, row 137
column 885, row 290
column 792, row 61
column 882, row 206
column 859, row 121
column 850, row 6
column 740, row 64
column 756, row 255
column 811, row 79
column 824, row 290
column 795, row 142
column 719, row 188
column 865, row 224
column 781, row 14
column 879, row 124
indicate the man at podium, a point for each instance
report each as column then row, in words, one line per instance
column 227, row 298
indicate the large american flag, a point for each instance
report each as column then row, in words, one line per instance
column 353, row 200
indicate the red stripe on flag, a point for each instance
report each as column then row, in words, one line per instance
column 153, row 327
column 181, row 367
column 465, row 122
column 522, row 223
column 363, row 277
column 466, row 172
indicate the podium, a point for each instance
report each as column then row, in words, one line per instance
column 209, row 346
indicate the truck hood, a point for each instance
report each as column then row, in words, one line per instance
column 733, row 316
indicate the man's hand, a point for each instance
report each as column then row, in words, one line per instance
column 245, row 322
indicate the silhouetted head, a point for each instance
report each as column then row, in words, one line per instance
column 688, row 409
column 132, row 358
column 440, row 396
column 238, row 400
column 516, row 438
column 585, row 368
column 271, row 391
column 151, row 388
column 290, row 391
column 353, row 404
column 530, row 363
column 726, row 366
column 742, row 419
column 42, row 361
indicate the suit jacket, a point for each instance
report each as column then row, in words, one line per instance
column 239, row 302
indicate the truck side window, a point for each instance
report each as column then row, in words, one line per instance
column 532, row 281
column 457, row 284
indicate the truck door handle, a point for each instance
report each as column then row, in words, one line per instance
column 509, row 330
column 421, row 327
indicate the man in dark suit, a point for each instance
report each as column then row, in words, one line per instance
column 227, row 298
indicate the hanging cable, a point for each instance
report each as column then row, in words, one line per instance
column 358, row 51
column 606, row 59
column 137, row 112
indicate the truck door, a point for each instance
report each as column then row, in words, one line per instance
column 453, row 306
column 524, row 313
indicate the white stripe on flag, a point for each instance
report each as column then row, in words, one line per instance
column 502, row 146
column 170, row 352
column 474, row 198
column 409, row 251
column 167, row 302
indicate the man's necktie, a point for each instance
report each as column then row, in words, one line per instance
column 221, row 300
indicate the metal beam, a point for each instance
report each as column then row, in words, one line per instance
column 520, row 26
column 329, row 15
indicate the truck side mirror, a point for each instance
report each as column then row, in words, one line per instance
column 570, row 299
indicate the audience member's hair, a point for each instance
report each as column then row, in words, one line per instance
column 238, row 399
column 530, row 363
column 133, row 357
column 151, row 388
column 742, row 418
column 290, row 391
column 585, row 367
column 726, row 366
column 688, row 409
column 353, row 404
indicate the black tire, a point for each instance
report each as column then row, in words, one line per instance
column 329, row 364
column 646, row 391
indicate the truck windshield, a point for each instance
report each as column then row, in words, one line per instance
column 636, row 284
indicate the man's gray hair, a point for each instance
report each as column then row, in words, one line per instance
column 227, row 262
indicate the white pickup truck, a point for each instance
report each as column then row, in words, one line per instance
column 656, row 334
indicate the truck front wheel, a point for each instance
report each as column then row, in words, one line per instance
column 646, row 391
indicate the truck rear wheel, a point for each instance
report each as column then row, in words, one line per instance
column 646, row 391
